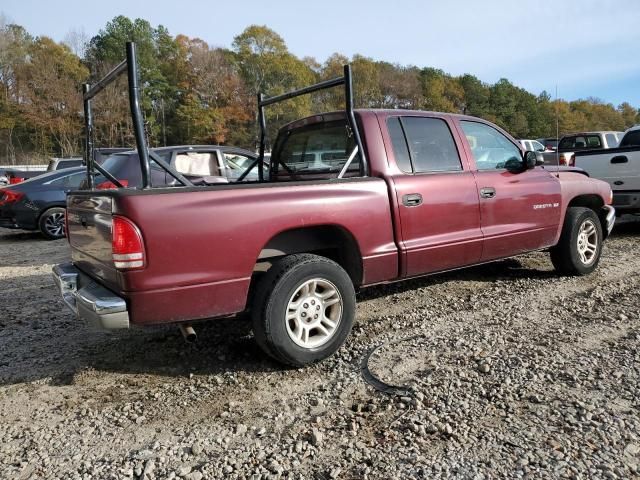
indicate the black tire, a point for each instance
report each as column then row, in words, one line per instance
column 566, row 256
column 271, row 302
column 51, row 223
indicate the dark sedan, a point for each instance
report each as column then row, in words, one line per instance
column 39, row 203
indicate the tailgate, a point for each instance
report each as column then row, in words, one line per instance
column 619, row 167
column 89, row 231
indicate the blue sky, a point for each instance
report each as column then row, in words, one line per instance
column 588, row 48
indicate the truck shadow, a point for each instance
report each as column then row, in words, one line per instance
column 41, row 340
column 510, row 268
column 627, row 226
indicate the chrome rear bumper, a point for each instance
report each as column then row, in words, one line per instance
column 90, row 301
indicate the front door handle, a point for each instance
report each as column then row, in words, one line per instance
column 620, row 159
column 412, row 200
column 487, row 192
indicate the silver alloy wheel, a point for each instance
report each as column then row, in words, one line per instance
column 587, row 242
column 313, row 313
column 54, row 224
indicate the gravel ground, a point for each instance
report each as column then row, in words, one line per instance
column 507, row 371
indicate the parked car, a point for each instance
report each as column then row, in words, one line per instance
column 581, row 141
column 15, row 175
column 100, row 155
column 532, row 146
column 200, row 163
column 39, row 203
column 549, row 143
column 620, row 167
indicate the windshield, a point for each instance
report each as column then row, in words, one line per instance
column 321, row 148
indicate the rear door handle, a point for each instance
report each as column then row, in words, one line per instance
column 620, row 159
column 412, row 200
column 487, row 192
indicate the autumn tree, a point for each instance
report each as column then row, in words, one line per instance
column 267, row 67
column 52, row 102
column 15, row 43
column 195, row 93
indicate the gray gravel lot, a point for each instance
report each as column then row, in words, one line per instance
column 509, row 372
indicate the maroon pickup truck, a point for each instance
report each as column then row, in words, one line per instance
column 353, row 199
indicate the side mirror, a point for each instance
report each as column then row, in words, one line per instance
column 532, row 159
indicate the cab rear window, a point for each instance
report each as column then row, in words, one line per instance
column 319, row 150
column 579, row 142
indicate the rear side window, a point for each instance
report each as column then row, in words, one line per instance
column 399, row 143
column 631, row 139
column 429, row 142
column 612, row 141
column 320, row 150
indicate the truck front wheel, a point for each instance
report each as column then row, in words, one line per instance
column 303, row 309
column 578, row 251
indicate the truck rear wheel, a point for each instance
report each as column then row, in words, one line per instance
column 303, row 309
column 578, row 251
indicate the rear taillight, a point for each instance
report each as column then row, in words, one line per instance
column 110, row 185
column 14, row 180
column 126, row 244
column 9, row 196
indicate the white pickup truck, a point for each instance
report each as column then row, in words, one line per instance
column 578, row 142
column 620, row 167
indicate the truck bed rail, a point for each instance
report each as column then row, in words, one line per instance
column 345, row 80
column 129, row 65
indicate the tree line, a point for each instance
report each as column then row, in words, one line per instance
column 194, row 93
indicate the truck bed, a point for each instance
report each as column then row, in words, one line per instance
column 192, row 245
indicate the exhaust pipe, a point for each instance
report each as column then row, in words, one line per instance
column 188, row 333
